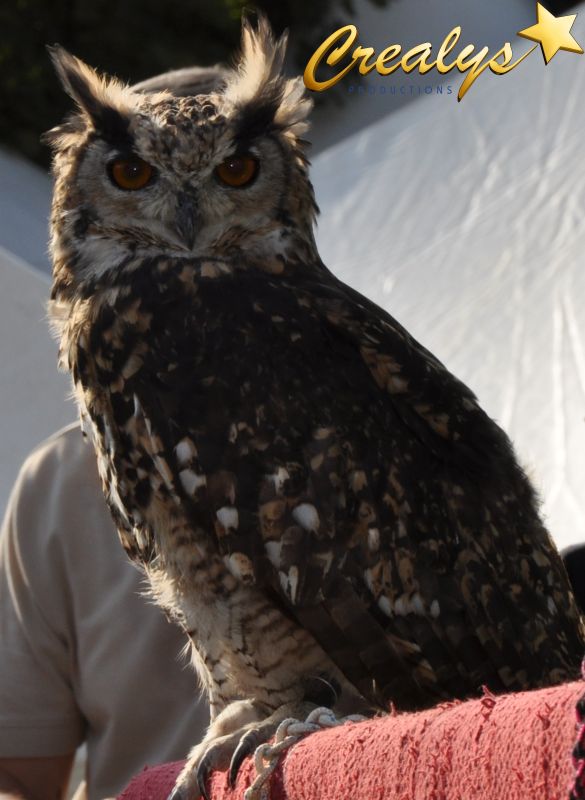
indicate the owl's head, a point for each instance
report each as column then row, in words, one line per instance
column 221, row 173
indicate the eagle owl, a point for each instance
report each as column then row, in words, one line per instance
column 321, row 505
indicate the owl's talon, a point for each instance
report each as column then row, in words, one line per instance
column 203, row 772
column 322, row 690
column 177, row 794
column 246, row 747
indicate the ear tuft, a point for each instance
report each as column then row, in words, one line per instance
column 104, row 103
column 79, row 80
column 259, row 90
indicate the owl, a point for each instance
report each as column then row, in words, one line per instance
column 325, row 510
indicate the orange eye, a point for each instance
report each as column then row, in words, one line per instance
column 237, row 170
column 130, row 173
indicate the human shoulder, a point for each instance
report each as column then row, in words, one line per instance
column 60, row 473
column 57, row 502
column 66, row 451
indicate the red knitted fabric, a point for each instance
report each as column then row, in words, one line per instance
column 509, row 747
column 578, row 792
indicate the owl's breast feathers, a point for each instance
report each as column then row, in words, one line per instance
column 298, row 433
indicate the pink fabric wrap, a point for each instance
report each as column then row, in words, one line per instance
column 509, row 747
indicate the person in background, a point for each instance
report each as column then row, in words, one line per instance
column 85, row 657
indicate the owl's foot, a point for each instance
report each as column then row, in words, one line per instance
column 220, row 751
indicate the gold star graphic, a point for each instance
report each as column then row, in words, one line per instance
column 552, row 33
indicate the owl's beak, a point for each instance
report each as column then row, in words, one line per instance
column 187, row 213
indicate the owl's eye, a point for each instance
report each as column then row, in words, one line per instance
column 130, row 173
column 237, row 170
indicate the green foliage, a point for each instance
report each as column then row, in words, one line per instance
column 132, row 39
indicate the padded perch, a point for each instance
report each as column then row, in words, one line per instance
column 506, row 747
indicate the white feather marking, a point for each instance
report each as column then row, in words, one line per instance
column 228, row 517
column 417, row 605
column 240, row 566
column 401, row 606
column 191, row 481
column 185, row 451
column 373, row 539
column 279, row 477
column 273, row 550
column 435, row 609
column 293, row 579
column 140, row 537
column 282, row 576
column 385, row 605
column 279, row 244
column 358, row 480
column 307, row 517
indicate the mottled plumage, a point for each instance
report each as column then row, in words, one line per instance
column 311, row 493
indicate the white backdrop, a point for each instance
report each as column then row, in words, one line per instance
column 468, row 226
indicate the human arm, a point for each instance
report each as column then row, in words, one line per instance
column 40, row 723
column 35, row 778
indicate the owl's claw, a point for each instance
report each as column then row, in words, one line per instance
column 203, row 772
column 177, row 794
column 322, row 690
column 229, row 749
column 246, row 746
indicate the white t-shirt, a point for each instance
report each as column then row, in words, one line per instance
column 83, row 655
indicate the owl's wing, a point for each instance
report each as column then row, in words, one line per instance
column 503, row 610
column 342, row 469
